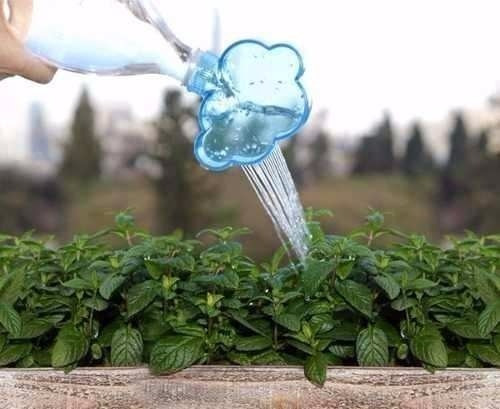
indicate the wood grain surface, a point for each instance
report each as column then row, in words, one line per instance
column 210, row 387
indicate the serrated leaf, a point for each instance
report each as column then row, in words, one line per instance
column 315, row 272
column 342, row 351
column 389, row 285
column 106, row 335
column 174, row 353
column 489, row 318
column 10, row 319
column 247, row 324
column 420, row 284
column 393, row 335
column 33, row 328
column 356, row 295
column 456, row 357
column 301, row 346
column 78, row 284
column 465, row 328
column 403, row 303
column 126, row 347
column 110, row 285
column 488, row 293
column 140, row 296
column 289, row 321
column 269, row 357
column 315, row 368
column 13, row 353
column 254, row 343
column 96, row 303
column 71, row 346
column 12, row 287
column 347, row 331
column 428, row 347
column 485, row 353
column 496, row 342
column 372, row 347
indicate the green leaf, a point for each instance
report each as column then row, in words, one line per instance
column 289, row 321
column 485, row 353
column 247, row 324
column 254, row 343
column 79, row 284
column 12, row 287
column 301, row 346
column 315, row 368
column 110, row 285
column 489, row 318
column 140, row 296
column 372, row 347
column 126, row 347
column 347, row 331
column 486, row 291
column 174, row 353
column 33, row 327
column 343, row 351
column 456, row 357
column 269, row 357
column 465, row 328
column 420, row 284
column 393, row 335
column 10, row 319
column 428, row 347
column 389, row 285
column 356, row 295
column 13, row 353
column 107, row 333
column 403, row 303
column 315, row 272
column 96, row 303
column 71, row 346
column 496, row 342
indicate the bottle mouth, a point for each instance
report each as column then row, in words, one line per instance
column 201, row 75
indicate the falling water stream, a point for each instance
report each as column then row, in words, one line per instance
column 274, row 186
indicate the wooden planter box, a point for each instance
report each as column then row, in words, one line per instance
column 214, row 387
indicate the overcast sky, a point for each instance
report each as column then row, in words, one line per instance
column 416, row 59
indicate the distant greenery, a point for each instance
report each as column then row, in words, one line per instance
column 173, row 302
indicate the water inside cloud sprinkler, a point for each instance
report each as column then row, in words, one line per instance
column 252, row 96
column 251, row 99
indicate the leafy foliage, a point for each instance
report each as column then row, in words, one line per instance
column 173, row 302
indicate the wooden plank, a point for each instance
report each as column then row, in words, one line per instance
column 209, row 387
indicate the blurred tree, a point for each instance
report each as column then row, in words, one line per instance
column 82, row 154
column 375, row 152
column 29, row 201
column 483, row 141
column 184, row 191
column 320, row 164
column 290, row 151
column 416, row 159
column 458, row 140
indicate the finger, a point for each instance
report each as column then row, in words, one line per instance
column 20, row 15
column 3, row 16
column 35, row 70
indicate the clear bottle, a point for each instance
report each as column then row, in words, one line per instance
column 252, row 96
column 107, row 37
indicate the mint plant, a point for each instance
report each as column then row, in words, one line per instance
column 173, row 302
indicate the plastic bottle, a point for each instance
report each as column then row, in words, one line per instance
column 252, row 96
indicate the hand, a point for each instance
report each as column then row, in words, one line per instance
column 14, row 58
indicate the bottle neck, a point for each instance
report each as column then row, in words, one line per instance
column 201, row 76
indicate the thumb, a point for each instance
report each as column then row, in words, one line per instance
column 35, row 70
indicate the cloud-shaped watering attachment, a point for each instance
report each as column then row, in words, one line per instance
column 252, row 98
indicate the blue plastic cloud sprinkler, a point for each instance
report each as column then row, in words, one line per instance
column 251, row 95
